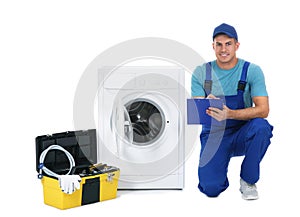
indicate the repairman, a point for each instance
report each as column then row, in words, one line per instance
column 242, row 128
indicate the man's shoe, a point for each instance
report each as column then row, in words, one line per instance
column 248, row 191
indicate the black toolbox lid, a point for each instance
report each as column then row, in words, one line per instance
column 81, row 144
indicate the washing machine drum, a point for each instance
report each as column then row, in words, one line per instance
column 147, row 121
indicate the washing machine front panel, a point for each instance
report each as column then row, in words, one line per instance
column 141, row 127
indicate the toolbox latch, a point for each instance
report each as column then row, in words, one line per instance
column 110, row 177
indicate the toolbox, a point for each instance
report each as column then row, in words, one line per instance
column 99, row 182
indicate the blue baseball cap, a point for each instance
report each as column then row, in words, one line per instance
column 225, row 29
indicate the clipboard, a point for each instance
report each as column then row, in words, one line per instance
column 196, row 110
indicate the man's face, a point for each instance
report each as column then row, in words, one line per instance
column 225, row 48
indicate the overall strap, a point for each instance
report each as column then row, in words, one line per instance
column 208, row 79
column 241, row 85
column 242, row 81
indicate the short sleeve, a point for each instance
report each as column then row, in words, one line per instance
column 256, row 81
column 197, row 89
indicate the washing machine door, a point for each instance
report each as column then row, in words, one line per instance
column 145, row 128
column 121, row 126
column 145, row 122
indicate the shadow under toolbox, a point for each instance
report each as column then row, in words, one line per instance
column 73, row 154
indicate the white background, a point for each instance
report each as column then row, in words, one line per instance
column 45, row 47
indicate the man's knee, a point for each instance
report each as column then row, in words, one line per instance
column 211, row 189
column 261, row 124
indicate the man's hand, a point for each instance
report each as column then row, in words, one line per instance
column 218, row 114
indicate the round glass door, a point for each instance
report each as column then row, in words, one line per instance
column 147, row 121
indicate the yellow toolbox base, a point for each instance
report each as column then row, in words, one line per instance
column 93, row 189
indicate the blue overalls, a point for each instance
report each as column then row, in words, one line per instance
column 231, row 138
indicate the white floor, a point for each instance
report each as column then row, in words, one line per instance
column 25, row 195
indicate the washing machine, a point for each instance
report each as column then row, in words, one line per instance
column 141, row 125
